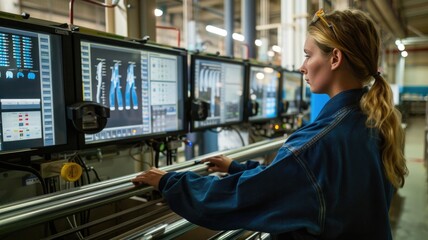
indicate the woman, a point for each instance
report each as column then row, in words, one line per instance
column 332, row 179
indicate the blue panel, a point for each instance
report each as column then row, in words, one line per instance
column 317, row 103
column 418, row 90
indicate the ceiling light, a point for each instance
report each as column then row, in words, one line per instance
column 238, row 37
column 158, row 12
column 216, row 30
column 404, row 54
column 276, row 48
column 258, row 42
column 401, row 47
column 260, row 75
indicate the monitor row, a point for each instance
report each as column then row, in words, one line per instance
column 45, row 69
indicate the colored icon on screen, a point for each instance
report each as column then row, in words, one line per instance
column 9, row 74
column 19, row 75
column 31, row 76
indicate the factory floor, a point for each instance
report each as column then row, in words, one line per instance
column 409, row 208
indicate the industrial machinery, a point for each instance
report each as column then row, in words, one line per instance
column 115, row 208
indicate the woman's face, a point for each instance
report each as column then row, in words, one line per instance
column 316, row 68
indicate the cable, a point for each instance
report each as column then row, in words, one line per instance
column 12, row 166
column 78, row 234
column 138, row 160
column 239, row 134
column 54, row 184
column 85, row 215
column 83, row 164
column 96, row 174
column 71, row 11
column 75, row 225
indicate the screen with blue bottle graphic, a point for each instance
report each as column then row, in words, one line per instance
column 142, row 88
column 220, row 83
column 264, row 88
column 32, row 112
column 291, row 91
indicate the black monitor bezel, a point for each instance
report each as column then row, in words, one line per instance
column 109, row 39
column 199, row 56
column 283, row 79
column 247, row 98
column 36, row 25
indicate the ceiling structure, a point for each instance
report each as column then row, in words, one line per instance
column 212, row 11
column 401, row 19
column 415, row 13
column 415, row 16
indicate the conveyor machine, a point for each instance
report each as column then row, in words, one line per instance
column 115, row 209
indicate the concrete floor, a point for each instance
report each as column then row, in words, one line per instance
column 409, row 209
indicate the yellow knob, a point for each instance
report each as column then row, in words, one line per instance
column 71, row 171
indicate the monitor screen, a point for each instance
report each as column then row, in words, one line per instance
column 291, row 91
column 220, row 82
column 144, row 89
column 264, row 88
column 32, row 104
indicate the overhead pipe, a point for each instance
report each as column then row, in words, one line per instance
column 391, row 20
column 229, row 26
column 249, row 25
column 415, row 40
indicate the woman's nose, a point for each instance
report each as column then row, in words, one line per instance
column 302, row 70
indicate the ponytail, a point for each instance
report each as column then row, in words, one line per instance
column 381, row 114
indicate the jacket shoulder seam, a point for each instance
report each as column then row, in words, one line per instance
column 339, row 116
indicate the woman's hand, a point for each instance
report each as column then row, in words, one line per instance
column 151, row 177
column 218, row 163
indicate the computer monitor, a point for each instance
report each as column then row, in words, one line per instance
column 291, row 92
column 33, row 78
column 263, row 88
column 220, row 82
column 144, row 87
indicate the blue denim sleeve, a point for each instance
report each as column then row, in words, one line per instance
column 236, row 167
column 274, row 199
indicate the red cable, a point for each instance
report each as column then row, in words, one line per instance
column 71, row 8
column 175, row 29
column 71, row 11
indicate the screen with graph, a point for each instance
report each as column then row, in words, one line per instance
column 220, row 82
column 142, row 86
column 264, row 89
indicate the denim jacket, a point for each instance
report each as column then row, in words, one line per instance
column 326, row 182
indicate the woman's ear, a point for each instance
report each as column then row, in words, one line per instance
column 336, row 59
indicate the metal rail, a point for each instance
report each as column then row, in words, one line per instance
column 26, row 213
column 232, row 234
column 124, row 179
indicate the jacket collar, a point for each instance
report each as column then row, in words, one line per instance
column 343, row 99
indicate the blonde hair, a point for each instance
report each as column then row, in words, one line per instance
column 354, row 33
